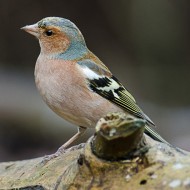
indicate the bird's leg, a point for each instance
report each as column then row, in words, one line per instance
column 81, row 131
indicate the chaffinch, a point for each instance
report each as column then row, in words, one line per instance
column 74, row 83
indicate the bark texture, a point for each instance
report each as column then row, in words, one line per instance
column 144, row 164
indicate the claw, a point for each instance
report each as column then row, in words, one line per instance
column 50, row 157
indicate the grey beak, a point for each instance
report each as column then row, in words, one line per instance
column 32, row 29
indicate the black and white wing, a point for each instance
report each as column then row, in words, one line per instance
column 102, row 82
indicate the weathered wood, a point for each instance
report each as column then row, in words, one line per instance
column 118, row 136
column 160, row 167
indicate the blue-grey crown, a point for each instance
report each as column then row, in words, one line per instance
column 56, row 21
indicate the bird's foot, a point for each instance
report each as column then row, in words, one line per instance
column 59, row 152
column 50, row 157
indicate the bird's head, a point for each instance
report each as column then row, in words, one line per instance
column 56, row 35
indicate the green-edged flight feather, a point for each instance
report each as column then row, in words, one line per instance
column 106, row 85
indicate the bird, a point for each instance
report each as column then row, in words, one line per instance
column 75, row 83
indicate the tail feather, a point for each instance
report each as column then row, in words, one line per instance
column 148, row 120
column 153, row 134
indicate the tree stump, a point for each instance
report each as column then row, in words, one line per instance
column 118, row 156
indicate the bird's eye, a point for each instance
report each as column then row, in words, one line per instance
column 49, row 32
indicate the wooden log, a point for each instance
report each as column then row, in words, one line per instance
column 158, row 166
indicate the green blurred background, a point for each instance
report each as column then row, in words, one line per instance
column 144, row 43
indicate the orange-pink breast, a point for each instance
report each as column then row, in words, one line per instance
column 64, row 89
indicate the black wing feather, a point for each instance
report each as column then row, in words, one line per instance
column 125, row 100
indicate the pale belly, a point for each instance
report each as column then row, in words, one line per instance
column 66, row 94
